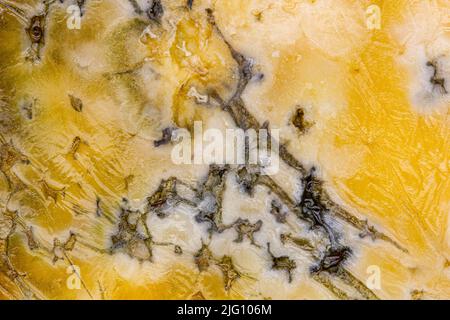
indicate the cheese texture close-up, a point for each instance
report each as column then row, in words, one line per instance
column 102, row 102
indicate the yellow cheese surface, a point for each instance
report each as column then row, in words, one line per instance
column 379, row 138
